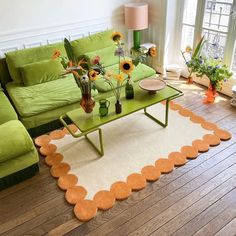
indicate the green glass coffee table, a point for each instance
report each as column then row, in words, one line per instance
column 88, row 123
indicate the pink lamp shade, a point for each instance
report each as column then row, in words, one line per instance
column 136, row 16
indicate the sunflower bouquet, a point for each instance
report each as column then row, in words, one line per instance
column 125, row 68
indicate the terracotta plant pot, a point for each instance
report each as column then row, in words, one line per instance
column 190, row 80
column 87, row 103
column 211, row 94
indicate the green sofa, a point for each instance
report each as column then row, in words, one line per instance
column 39, row 105
column 18, row 156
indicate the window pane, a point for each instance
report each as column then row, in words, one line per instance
column 190, row 7
column 217, row 14
column 187, row 36
column 215, row 43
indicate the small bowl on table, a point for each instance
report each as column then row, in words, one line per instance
column 152, row 85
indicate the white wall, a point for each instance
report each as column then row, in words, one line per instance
column 29, row 23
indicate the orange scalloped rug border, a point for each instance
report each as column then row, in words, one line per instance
column 75, row 194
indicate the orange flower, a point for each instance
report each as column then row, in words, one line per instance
column 56, row 54
column 152, row 51
column 119, row 77
column 70, row 64
column 93, row 75
column 116, row 36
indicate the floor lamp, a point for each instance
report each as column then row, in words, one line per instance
column 136, row 18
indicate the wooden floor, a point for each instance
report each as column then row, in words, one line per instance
column 196, row 199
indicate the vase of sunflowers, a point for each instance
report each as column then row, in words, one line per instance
column 85, row 73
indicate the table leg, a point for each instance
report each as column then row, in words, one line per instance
column 85, row 134
column 155, row 119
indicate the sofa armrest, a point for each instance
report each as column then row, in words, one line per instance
column 7, row 111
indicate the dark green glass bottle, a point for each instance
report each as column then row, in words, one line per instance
column 129, row 90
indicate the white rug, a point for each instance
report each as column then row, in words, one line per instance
column 130, row 143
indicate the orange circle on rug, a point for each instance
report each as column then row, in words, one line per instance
column 164, row 165
column 136, row 181
column 53, row 159
column 185, row 112
column 48, row 149
column 151, row 173
column 120, row 190
column 175, row 107
column 197, row 119
column 177, row 158
column 189, row 151
column 223, row 134
column 67, row 181
column 57, row 134
column 211, row 139
column 75, row 194
column 201, row 145
column 72, row 127
column 209, row 126
column 104, row 199
column 42, row 140
column 60, row 169
column 85, row 210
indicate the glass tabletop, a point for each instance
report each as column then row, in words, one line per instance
column 141, row 100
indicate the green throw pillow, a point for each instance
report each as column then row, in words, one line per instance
column 106, row 55
column 41, row 72
column 92, row 43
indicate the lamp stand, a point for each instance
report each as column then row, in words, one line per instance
column 136, row 38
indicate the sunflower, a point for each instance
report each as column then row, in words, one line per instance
column 56, row 54
column 119, row 77
column 93, row 75
column 152, row 51
column 126, row 66
column 116, row 36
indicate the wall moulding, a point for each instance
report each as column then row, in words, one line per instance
column 20, row 39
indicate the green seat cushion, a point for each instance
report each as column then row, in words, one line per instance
column 19, row 163
column 14, row 140
column 7, row 112
column 106, row 55
column 36, row 99
column 141, row 71
column 17, row 59
column 40, row 72
column 92, row 43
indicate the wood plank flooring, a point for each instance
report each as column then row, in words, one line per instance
column 196, row 199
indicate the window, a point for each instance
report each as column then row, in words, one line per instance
column 217, row 21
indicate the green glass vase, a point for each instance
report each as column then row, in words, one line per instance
column 129, row 90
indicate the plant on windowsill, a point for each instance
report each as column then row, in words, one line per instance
column 193, row 59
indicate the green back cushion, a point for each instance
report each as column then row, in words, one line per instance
column 40, row 72
column 17, row 59
column 106, row 55
column 92, row 43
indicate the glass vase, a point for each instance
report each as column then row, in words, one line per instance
column 118, row 107
column 129, row 90
column 87, row 102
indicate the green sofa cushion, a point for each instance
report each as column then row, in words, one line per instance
column 92, row 43
column 14, row 140
column 19, row 163
column 17, row 59
column 7, row 112
column 141, row 71
column 106, row 55
column 36, row 99
column 40, row 72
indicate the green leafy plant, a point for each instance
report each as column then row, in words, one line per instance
column 215, row 70
column 193, row 58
